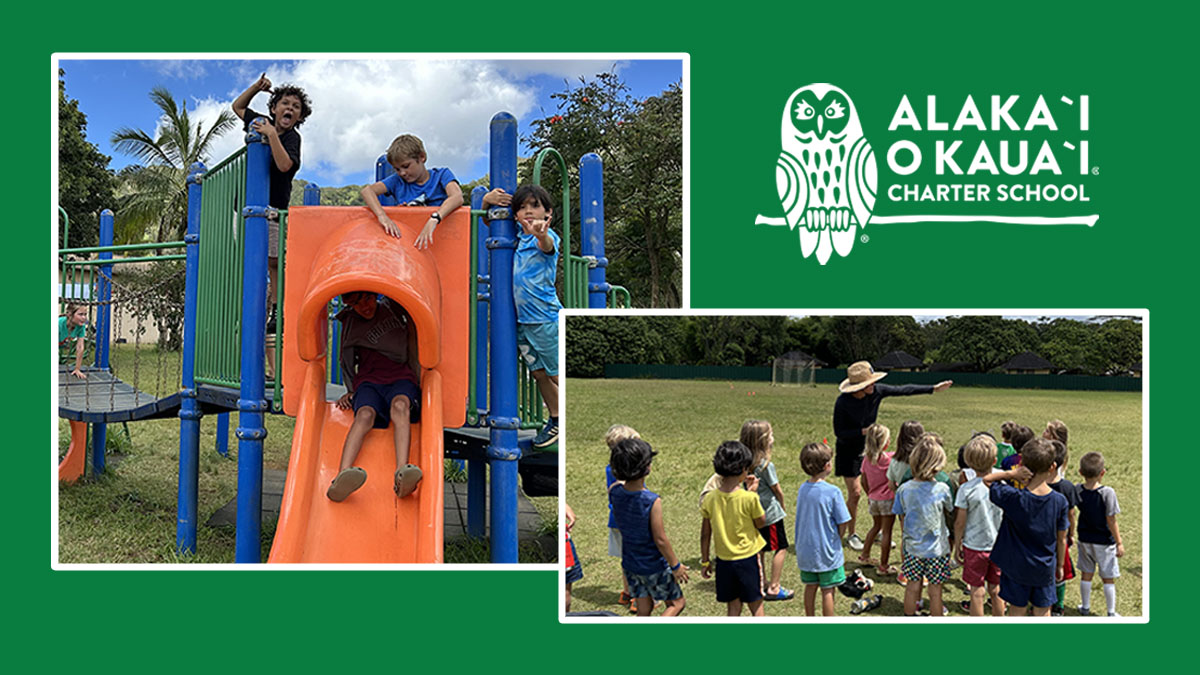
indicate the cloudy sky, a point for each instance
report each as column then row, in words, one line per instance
column 359, row 104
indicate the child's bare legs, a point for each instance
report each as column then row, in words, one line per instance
column 810, row 600
column 885, row 541
column 935, row 599
column 756, row 608
column 777, row 561
column 645, row 605
column 853, row 492
column 912, row 595
column 364, row 419
column 997, row 604
column 272, row 264
column 978, row 596
column 548, row 388
column 674, row 607
column 403, row 431
column 733, row 607
column 876, row 526
column 568, row 597
column 827, row 598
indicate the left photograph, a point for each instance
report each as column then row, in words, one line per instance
column 307, row 309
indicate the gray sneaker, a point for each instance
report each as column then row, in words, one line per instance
column 854, row 542
column 1084, row 611
column 1113, row 614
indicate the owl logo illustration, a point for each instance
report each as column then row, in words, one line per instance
column 826, row 174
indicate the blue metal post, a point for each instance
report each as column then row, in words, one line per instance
column 477, row 468
column 103, row 332
column 223, row 434
column 189, row 410
column 591, row 215
column 312, row 195
column 252, row 399
column 383, row 170
column 503, row 451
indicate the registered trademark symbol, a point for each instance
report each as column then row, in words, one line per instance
column 1095, row 171
column 865, row 239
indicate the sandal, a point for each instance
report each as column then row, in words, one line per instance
column 345, row 483
column 886, row 571
column 783, row 594
column 406, row 480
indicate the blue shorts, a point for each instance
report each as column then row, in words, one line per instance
column 739, row 579
column 379, row 397
column 1020, row 595
column 575, row 572
column 538, row 344
column 659, row 587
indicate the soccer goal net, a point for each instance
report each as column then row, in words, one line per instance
column 785, row 372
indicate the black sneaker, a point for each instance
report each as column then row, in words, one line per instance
column 1056, row 610
column 547, row 436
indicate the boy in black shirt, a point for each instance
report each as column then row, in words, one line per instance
column 289, row 107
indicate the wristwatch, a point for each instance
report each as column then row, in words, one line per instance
column 436, row 216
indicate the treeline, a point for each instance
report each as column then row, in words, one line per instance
column 1095, row 346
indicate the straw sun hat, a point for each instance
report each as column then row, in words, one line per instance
column 859, row 375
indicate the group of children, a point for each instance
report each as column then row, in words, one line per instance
column 1006, row 517
column 378, row 349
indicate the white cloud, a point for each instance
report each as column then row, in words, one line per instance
column 360, row 106
column 184, row 69
column 569, row 70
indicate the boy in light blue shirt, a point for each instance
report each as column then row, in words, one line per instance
column 535, row 267
column 821, row 520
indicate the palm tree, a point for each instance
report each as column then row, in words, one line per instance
column 154, row 195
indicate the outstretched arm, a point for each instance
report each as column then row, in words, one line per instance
column 242, row 102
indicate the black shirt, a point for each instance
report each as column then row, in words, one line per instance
column 281, row 181
column 851, row 415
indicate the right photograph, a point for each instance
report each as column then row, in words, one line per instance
column 865, row 466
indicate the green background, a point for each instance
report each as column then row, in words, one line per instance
column 745, row 61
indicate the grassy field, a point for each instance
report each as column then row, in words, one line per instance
column 128, row 514
column 686, row 420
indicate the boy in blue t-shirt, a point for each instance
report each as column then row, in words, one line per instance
column 414, row 185
column 651, row 567
column 534, row 271
column 821, row 519
column 1031, row 545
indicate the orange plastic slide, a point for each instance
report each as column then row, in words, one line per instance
column 334, row 250
column 70, row 469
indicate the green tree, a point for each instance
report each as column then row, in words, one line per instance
column 986, row 341
column 86, row 186
column 1072, row 345
column 153, row 196
column 641, row 146
column 1120, row 344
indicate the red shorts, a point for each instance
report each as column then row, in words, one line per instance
column 978, row 568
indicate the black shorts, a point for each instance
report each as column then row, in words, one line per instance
column 776, row 536
column 379, row 398
column 739, row 579
column 847, row 463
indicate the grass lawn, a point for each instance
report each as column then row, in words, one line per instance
column 128, row 515
column 685, row 421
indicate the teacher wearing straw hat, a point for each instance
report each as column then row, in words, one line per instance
column 855, row 410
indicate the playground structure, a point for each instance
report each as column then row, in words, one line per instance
column 466, row 330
